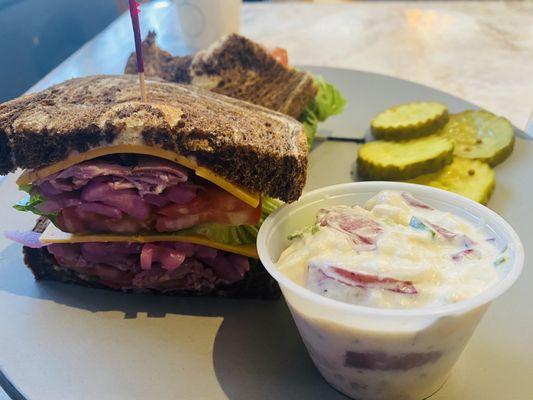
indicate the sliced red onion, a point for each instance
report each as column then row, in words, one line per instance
column 361, row 229
column 441, row 231
column 352, row 278
column 27, row 238
column 99, row 208
column 180, row 194
column 130, row 203
column 414, row 202
column 49, row 206
column 126, row 200
column 97, row 190
column 157, row 200
column 169, row 258
column 466, row 253
column 147, row 256
column 48, row 190
column 58, row 202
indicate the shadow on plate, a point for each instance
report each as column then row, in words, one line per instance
column 257, row 349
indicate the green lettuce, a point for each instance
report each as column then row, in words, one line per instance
column 234, row 235
column 31, row 201
column 312, row 229
column 327, row 102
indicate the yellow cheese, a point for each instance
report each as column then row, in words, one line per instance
column 53, row 235
column 248, row 197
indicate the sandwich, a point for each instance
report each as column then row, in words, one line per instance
column 164, row 196
column 238, row 67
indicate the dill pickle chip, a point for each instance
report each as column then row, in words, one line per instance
column 470, row 178
column 409, row 121
column 480, row 135
column 386, row 160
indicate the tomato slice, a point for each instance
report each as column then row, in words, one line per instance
column 212, row 205
column 280, row 54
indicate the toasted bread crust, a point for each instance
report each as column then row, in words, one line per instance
column 236, row 67
column 257, row 283
column 252, row 146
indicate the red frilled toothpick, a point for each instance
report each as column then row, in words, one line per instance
column 134, row 13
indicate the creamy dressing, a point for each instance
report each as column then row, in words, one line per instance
column 396, row 252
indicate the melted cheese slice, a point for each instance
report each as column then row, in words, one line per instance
column 248, row 197
column 53, row 235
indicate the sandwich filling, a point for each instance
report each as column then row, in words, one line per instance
column 162, row 266
column 135, row 193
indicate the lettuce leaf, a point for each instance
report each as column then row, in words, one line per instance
column 31, row 201
column 327, row 102
column 268, row 205
column 310, row 122
column 236, row 235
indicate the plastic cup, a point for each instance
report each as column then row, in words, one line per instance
column 203, row 22
column 375, row 353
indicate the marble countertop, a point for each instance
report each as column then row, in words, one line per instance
column 480, row 51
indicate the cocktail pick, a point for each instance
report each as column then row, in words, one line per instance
column 134, row 13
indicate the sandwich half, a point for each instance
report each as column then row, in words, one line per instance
column 162, row 196
column 241, row 68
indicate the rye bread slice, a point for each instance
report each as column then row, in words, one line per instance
column 237, row 67
column 157, row 62
column 259, row 149
column 257, row 283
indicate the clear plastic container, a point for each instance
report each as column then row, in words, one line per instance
column 372, row 353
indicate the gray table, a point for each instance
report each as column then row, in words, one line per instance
column 107, row 53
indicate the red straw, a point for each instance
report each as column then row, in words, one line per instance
column 134, row 13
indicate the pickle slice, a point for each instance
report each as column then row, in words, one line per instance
column 470, row 178
column 480, row 135
column 384, row 160
column 409, row 121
